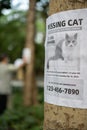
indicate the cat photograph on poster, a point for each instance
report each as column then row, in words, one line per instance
column 66, row 53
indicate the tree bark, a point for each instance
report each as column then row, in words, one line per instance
column 30, row 90
column 57, row 117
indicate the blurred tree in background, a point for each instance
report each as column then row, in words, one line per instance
column 30, row 89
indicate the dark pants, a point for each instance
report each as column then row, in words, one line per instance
column 3, row 103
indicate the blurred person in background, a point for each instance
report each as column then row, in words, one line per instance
column 6, row 71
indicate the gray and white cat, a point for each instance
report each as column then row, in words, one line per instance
column 64, row 49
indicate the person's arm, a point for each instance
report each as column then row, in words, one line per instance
column 13, row 67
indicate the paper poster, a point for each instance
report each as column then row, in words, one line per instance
column 66, row 59
column 18, row 62
column 27, row 54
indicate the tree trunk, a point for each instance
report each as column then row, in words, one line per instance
column 57, row 117
column 30, row 90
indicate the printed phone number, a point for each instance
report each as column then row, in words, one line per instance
column 60, row 90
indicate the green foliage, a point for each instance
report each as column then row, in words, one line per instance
column 23, row 118
column 40, row 24
column 4, row 4
column 12, row 35
column 42, row 5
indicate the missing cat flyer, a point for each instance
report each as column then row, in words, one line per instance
column 65, row 78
